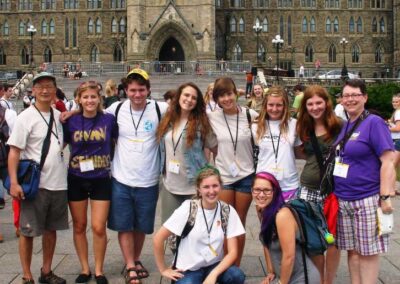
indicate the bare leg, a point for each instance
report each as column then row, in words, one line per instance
column 138, row 238
column 99, row 213
column 319, row 262
column 369, row 268
column 79, row 220
column 127, row 247
column 242, row 204
column 25, row 255
column 331, row 264
column 354, row 266
column 49, row 240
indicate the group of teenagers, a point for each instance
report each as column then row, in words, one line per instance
column 117, row 155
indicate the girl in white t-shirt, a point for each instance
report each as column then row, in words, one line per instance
column 275, row 133
column 394, row 127
column 200, row 255
column 211, row 105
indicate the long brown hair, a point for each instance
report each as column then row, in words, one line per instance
column 197, row 120
column 274, row 91
column 305, row 123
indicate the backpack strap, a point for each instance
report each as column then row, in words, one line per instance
column 158, row 111
column 253, row 144
column 8, row 106
column 117, row 111
column 318, row 153
column 225, row 210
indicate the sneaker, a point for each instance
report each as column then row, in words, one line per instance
column 51, row 278
column 2, row 203
column 101, row 279
column 83, row 278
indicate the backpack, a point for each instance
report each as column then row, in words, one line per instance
column 120, row 105
column 4, row 135
column 174, row 240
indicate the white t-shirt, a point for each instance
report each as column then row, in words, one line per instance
column 226, row 161
column 396, row 117
column 340, row 112
column 190, row 248
column 285, row 170
column 6, row 104
column 71, row 105
column 136, row 160
column 11, row 117
column 29, row 133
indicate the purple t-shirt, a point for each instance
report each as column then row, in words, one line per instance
column 94, row 143
column 362, row 151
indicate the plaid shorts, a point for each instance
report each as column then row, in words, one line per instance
column 357, row 228
column 313, row 195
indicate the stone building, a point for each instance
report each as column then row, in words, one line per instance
column 186, row 30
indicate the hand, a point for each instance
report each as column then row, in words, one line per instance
column 64, row 116
column 211, row 279
column 268, row 279
column 17, row 192
column 386, row 206
column 172, row 274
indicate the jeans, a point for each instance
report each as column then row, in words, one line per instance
column 233, row 275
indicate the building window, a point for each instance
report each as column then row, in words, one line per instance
column 25, row 5
column 265, row 25
column 378, row 4
column 332, row 4
column 90, row 26
column 3, row 57
column 52, row 27
column 48, row 4
column 374, row 25
column 117, row 54
column 304, row 25
column 232, row 24
column 308, row 3
column 47, row 55
column 289, row 31
column 260, row 3
column 24, row 56
column 261, row 53
column 237, row 3
column 94, row 4
column 332, row 53
column 5, row 5
column 351, row 25
column 237, row 53
column 355, row 54
column 218, row 3
column 21, row 28
column 379, row 54
column 74, row 33
column 354, row 4
column 71, row 4
column 241, row 25
column 309, row 53
column 66, row 33
column 328, row 25
column 114, row 26
column 98, row 26
column 382, row 25
column 281, row 27
column 44, row 27
column 6, row 29
column 312, row 25
column 359, row 25
column 94, row 54
column 284, row 3
column 336, row 25
column 122, row 26
column 117, row 4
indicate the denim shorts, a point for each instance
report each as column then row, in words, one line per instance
column 396, row 144
column 242, row 185
column 132, row 208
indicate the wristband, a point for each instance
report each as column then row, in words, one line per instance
column 384, row 197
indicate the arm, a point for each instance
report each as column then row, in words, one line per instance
column 158, row 244
column 226, row 262
column 396, row 127
column 214, row 150
column 64, row 116
column 270, row 268
column 13, row 159
column 286, row 227
column 299, row 152
column 388, row 179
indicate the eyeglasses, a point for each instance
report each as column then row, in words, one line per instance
column 265, row 191
column 42, row 87
column 353, row 96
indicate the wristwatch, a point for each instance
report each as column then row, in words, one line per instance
column 384, row 197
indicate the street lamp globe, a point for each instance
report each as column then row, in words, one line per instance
column 32, row 29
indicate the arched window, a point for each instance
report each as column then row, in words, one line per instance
column 122, row 25
column 289, row 30
column 237, row 53
column 241, row 25
column 336, row 25
column 359, row 25
column 114, row 26
column 374, row 25
column 351, row 25
column 94, row 54
column 261, row 53
column 6, row 29
column 281, row 27
column 312, row 25
column 382, row 25
column 98, row 26
column 355, row 54
column 379, row 54
column 3, row 57
column 74, row 33
column 265, row 25
column 66, row 33
column 44, row 27
column 332, row 53
column 304, row 25
column 90, row 26
column 328, row 26
column 47, row 55
column 257, row 22
column 52, row 27
column 24, row 56
column 309, row 53
column 117, row 54
column 21, row 28
column 232, row 24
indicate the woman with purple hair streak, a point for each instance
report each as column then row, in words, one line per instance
column 279, row 232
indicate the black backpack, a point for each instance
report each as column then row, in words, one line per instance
column 4, row 135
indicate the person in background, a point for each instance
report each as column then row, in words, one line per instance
column 249, row 83
column 298, row 92
column 199, row 261
column 73, row 104
column 339, row 109
column 301, row 71
column 211, row 105
column 111, row 95
column 28, row 99
column 65, row 70
column 5, row 99
column 394, row 127
column 256, row 99
column 169, row 96
column 59, row 100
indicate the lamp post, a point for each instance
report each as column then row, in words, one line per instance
column 257, row 29
column 270, row 61
column 278, row 43
column 344, row 42
column 32, row 30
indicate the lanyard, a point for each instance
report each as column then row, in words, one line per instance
column 52, row 131
column 175, row 146
column 276, row 151
column 140, row 119
column 347, row 135
column 205, row 220
column 237, row 131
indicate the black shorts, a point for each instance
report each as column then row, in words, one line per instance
column 83, row 188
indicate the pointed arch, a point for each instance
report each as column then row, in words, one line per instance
column 374, row 25
column 257, row 22
column 265, row 25
column 355, row 53
column 379, row 53
column 336, row 25
column 328, row 25
column 43, row 27
column 281, row 27
column 241, row 25
column 6, row 29
column 382, row 25
column 309, row 53
column 94, row 54
column 359, row 25
column 304, row 25
column 232, row 24
column 114, row 26
column 90, row 26
column 21, row 28
column 332, row 53
column 312, row 25
column 237, row 53
column 118, row 54
column 74, row 33
column 24, row 56
column 122, row 25
column 47, row 54
column 261, row 53
column 351, row 25
column 3, row 56
column 52, row 27
column 98, row 26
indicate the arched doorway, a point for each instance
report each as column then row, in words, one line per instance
column 171, row 50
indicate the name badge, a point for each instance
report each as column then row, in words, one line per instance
column 137, row 145
column 277, row 172
column 86, row 165
column 234, row 169
column 208, row 253
column 340, row 170
column 173, row 166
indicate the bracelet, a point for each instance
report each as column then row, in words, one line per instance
column 384, row 197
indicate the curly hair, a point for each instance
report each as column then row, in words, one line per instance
column 197, row 120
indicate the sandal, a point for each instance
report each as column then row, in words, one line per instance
column 128, row 278
column 141, row 271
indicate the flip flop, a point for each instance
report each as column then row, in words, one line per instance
column 142, row 271
column 129, row 279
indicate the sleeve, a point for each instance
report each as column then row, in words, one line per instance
column 176, row 223
column 397, row 115
column 20, row 133
column 60, row 106
column 235, row 227
column 112, row 108
column 296, row 102
column 253, row 114
column 163, row 107
column 11, row 117
column 379, row 136
column 211, row 140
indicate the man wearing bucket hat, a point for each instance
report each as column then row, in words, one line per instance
column 47, row 212
column 135, row 170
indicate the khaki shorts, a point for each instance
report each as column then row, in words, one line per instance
column 48, row 211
